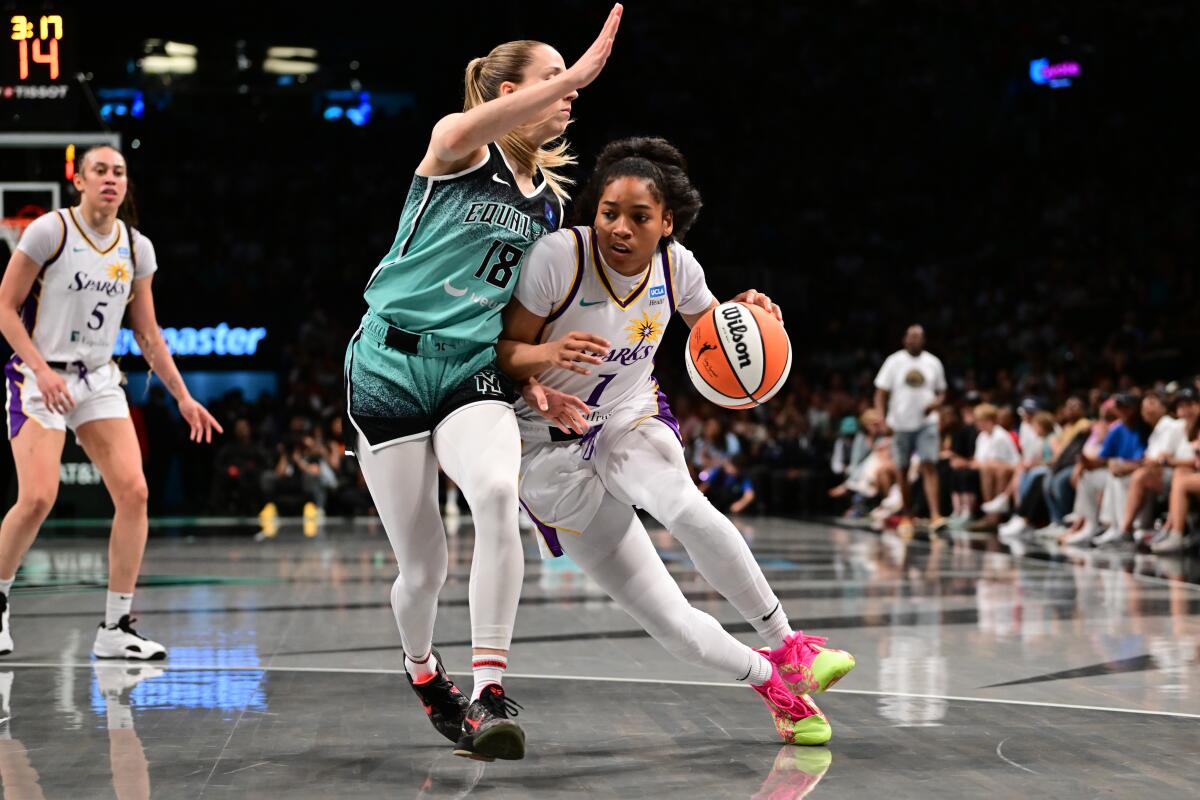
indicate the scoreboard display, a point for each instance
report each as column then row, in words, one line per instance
column 37, row 70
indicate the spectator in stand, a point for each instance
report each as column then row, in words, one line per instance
column 1168, row 437
column 1088, row 478
column 995, row 458
column 1185, row 483
column 728, row 487
column 958, row 444
column 716, row 446
column 237, row 482
column 1036, row 456
column 301, row 476
column 870, row 472
column 1122, row 451
column 910, row 387
column 1067, row 447
column 1162, row 435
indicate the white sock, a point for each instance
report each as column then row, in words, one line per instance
column 423, row 669
column 452, row 497
column 758, row 669
column 6, row 585
column 487, row 669
column 773, row 627
column 117, row 606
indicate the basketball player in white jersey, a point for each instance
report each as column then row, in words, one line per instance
column 74, row 275
column 621, row 281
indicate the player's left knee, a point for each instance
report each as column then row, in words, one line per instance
column 132, row 495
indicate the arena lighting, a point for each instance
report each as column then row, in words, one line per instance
column 220, row 340
column 168, row 65
column 290, row 61
column 1056, row 76
column 283, row 66
column 180, row 49
column 291, row 52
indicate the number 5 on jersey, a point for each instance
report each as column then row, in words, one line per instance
column 499, row 263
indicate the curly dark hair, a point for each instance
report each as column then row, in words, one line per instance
column 657, row 161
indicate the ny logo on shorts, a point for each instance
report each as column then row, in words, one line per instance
column 488, row 383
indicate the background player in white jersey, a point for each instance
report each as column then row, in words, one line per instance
column 75, row 273
column 621, row 281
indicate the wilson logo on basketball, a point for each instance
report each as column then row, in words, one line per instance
column 738, row 356
column 737, row 330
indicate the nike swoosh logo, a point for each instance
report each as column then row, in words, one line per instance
column 496, row 177
column 585, row 303
column 450, row 290
column 773, row 610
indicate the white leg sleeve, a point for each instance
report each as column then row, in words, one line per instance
column 403, row 483
column 645, row 468
column 480, row 449
column 615, row 551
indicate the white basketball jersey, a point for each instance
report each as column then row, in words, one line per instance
column 74, row 310
column 631, row 313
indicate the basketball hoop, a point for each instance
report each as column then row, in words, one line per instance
column 12, row 228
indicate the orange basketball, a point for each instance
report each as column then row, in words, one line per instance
column 738, row 355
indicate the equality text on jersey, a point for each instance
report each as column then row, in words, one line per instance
column 502, row 215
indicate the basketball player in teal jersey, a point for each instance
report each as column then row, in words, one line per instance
column 421, row 380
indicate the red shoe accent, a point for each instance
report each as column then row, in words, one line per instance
column 424, row 680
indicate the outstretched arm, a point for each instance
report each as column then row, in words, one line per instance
column 458, row 139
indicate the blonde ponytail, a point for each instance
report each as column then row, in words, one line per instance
column 481, row 83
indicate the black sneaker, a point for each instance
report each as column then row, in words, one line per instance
column 444, row 704
column 487, row 732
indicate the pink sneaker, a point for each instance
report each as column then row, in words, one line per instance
column 808, row 666
column 797, row 718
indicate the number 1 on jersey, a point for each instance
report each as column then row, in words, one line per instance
column 594, row 399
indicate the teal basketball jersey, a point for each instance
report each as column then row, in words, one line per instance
column 458, row 251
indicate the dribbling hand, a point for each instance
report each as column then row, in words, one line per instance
column 753, row 297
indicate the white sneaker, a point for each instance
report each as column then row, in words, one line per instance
column 997, row 505
column 1111, row 537
column 1081, row 537
column 1069, row 519
column 1013, row 529
column 1170, row 544
column 1050, row 532
column 122, row 641
column 6, row 642
column 1145, row 535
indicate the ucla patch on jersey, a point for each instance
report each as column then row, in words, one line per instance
column 123, row 251
column 658, row 291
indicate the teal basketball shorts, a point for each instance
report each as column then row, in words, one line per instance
column 394, row 395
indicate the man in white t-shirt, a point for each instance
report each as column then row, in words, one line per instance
column 1132, row 487
column 909, row 388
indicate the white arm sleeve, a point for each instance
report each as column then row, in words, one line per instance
column 691, row 289
column 42, row 238
column 547, row 274
column 147, row 261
